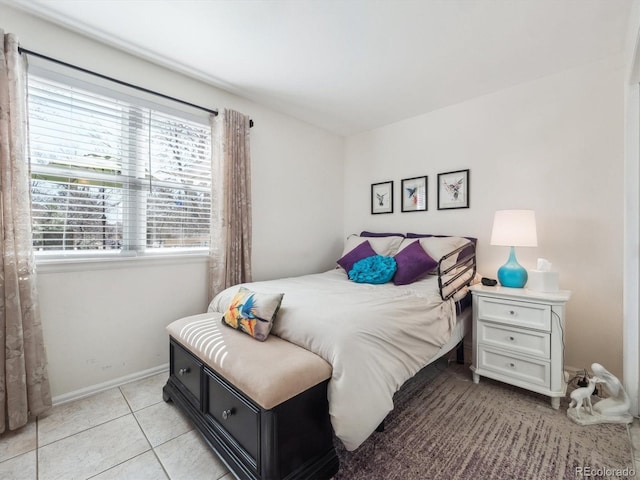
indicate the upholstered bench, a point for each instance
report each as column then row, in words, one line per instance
column 261, row 406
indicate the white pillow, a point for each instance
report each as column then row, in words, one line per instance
column 438, row 247
column 387, row 246
column 405, row 243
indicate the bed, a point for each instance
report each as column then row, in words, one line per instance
column 393, row 304
column 375, row 336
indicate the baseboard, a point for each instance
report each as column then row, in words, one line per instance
column 570, row 371
column 101, row 387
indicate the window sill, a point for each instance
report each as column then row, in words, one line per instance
column 69, row 264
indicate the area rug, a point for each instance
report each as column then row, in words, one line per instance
column 444, row 426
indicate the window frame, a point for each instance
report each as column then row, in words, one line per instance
column 140, row 98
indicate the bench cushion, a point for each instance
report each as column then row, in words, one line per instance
column 269, row 372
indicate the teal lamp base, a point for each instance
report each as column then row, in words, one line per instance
column 512, row 274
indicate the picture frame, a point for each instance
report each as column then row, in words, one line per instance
column 414, row 194
column 382, row 197
column 453, row 190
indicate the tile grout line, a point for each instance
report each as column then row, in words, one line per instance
column 37, row 450
column 86, row 429
column 153, row 450
column 118, row 464
column 160, row 462
column 96, row 425
column 38, row 447
column 132, row 413
column 177, row 436
column 16, row 455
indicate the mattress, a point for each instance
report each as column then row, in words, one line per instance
column 374, row 336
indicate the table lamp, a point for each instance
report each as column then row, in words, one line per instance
column 514, row 228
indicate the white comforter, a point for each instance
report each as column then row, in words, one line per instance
column 375, row 336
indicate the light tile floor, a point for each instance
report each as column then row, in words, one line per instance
column 123, row 433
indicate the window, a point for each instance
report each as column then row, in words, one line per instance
column 115, row 174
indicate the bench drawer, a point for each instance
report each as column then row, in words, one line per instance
column 293, row 440
column 234, row 414
column 186, row 369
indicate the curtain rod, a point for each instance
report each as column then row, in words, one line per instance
column 120, row 82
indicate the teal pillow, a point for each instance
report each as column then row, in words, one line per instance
column 376, row 269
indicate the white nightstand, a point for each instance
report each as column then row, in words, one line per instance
column 518, row 338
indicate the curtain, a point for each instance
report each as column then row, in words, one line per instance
column 230, row 250
column 24, row 383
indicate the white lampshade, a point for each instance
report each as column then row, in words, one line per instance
column 514, row 228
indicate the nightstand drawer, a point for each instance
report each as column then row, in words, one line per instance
column 532, row 371
column 530, row 342
column 523, row 314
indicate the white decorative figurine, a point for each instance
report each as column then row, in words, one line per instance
column 583, row 394
column 613, row 409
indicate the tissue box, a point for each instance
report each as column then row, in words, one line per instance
column 540, row 281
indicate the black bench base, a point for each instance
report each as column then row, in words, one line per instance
column 293, row 440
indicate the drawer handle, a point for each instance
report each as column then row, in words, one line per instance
column 184, row 371
column 512, row 313
column 511, row 338
column 227, row 413
column 512, row 365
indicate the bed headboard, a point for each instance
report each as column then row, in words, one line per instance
column 451, row 278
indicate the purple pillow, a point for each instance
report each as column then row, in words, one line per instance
column 413, row 263
column 363, row 250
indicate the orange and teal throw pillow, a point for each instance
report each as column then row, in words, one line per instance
column 253, row 313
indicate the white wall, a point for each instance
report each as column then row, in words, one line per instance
column 631, row 330
column 106, row 322
column 102, row 322
column 554, row 145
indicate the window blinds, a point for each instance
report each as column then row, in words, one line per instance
column 113, row 174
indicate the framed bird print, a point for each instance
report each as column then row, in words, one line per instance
column 382, row 197
column 453, row 190
column 414, row 194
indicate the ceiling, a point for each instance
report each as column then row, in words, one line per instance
column 353, row 65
